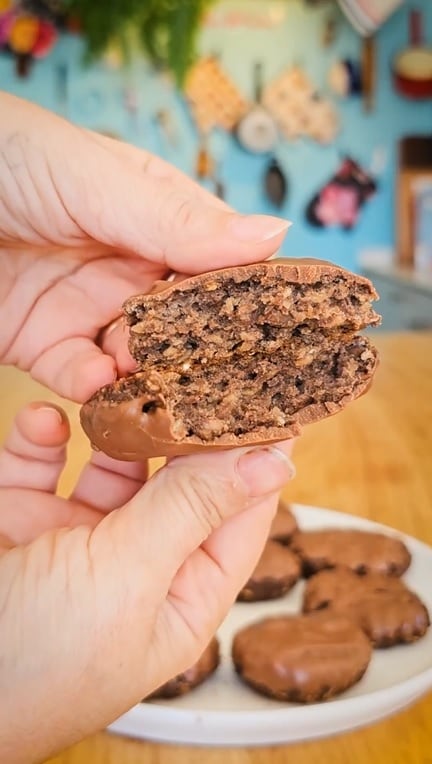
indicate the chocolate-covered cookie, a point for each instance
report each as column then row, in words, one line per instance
column 302, row 659
column 361, row 551
column 183, row 683
column 236, row 357
column 277, row 571
column 387, row 611
column 284, row 524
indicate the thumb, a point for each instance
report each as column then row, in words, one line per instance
column 180, row 558
column 189, row 499
column 96, row 620
column 161, row 214
column 95, row 187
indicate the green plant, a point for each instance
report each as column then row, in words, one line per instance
column 165, row 30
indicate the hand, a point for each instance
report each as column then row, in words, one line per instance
column 105, row 596
column 71, row 201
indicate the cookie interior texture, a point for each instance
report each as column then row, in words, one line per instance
column 244, row 350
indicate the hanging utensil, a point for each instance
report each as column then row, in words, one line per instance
column 204, row 166
column 165, row 123
column 131, row 106
column 219, row 186
column 219, row 189
column 368, row 72
column 206, row 169
column 257, row 131
column 412, row 68
column 275, row 183
column 329, row 30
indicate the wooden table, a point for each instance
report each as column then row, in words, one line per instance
column 373, row 460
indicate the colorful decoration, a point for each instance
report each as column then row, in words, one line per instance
column 231, row 15
column 339, row 202
column 29, row 30
column 345, row 78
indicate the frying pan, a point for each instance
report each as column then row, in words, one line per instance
column 257, row 131
column 412, row 68
column 275, row 183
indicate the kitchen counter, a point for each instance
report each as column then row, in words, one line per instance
column 372, row 460
column 422, row 281
column 405, row 297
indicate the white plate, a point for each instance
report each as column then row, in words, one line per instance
column 225, row 712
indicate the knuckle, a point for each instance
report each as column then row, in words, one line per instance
column 177, row 212
column 209, row 499
column 183, row 212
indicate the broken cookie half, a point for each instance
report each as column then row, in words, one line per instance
column 235, row 357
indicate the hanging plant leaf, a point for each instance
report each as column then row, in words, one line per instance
column 166, row 30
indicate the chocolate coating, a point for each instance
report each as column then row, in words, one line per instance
column 302, row 659
column 387, row 611
column 300, row 270
column 360, row 551
column 277, row 571
column 284, row 524
column 183, row 683
column 126, row 430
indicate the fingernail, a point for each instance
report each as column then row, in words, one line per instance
column 265, row 470
column 257, row 227
column 53, row 412
column 119, row 321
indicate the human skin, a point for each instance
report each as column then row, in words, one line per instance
column 86, row 221
column 108, row 593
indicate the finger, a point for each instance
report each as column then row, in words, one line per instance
column 159, row 168
column 75, row 366
column 34, row 453
column 64, row 354
column 163, row 528
column 107, row 484
column 211, row 577
column 209, row 580
column 196, row 494
column 139, row 207
column 132, row 205
column 177, row 510
column 108, row 584
column 114, row 342
column 26, row 514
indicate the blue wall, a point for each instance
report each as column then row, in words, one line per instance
column 96, row 100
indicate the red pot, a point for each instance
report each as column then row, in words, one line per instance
column 412, row 68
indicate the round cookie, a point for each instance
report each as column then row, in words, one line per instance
column 387, row 611
column 183, row 683
column 277, row 571
column 361, row 551
column 303, row 658
column 284, row 524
